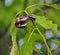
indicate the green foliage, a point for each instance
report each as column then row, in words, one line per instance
column 57, row 42
column 32, row 33
column 7, row 13
column 54, row 15
column 47, row 24
column 29, row 41
column 27, row 48
column 14, row 50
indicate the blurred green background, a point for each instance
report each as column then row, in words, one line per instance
column 9, row 8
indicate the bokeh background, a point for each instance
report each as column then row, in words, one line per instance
column 9, row 8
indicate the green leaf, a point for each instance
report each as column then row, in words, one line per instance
column 27, row 48
column 29, row 40
column 57, row 42
column 54, row 29
column 54, row 15
column 55, row 6
column 38, row 50
column 47, row 24
column 29, row 43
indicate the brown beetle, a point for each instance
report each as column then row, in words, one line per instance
column 21, row 22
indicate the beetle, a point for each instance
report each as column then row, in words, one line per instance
column 21, row 22
column 32, row 17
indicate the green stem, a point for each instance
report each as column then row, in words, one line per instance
column 27, row 41
column 19, row 12
column 31, row 34
column 49, row 51
column 26, row 12
column 31, row 6
column 14, row 35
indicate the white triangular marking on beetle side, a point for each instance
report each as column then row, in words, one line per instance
column 24, row 25
column 23, row 19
